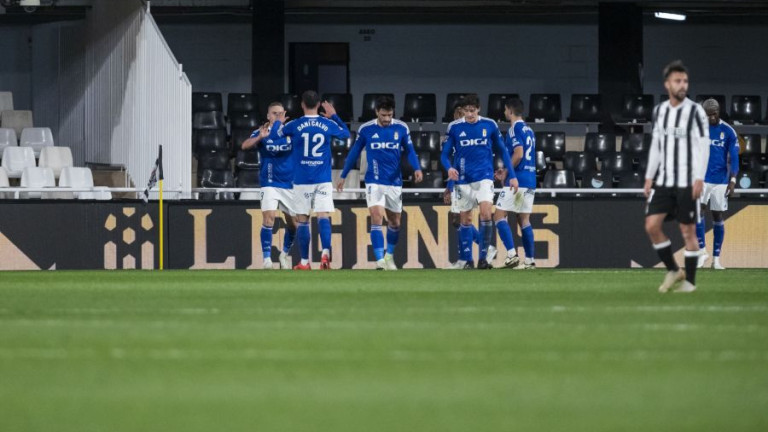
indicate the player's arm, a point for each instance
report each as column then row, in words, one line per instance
column 255, row 138
column 733, row 151
column 502, row 150
column 700, row 151
column 516, row 145
column 330, row 113
column 654, row 155
column 445, row 157
column 352, row 157
column 406, row 142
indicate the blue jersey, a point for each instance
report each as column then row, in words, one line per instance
column 383, row 151
column 472, row 146
column 276, row 161
column 520, row 135
column 310, row 138
column 722, row 143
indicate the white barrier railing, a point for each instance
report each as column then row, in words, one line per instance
column 137, row 96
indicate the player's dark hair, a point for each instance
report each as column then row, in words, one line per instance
column 385, row 103
column 515, row 105
column 675, row 66
column 470, row 100
column 310, row 99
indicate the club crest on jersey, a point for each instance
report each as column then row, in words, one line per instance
column 722, row 135
column 396, row 136
column 485, row 133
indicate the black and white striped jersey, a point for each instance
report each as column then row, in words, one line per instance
column 680, row 147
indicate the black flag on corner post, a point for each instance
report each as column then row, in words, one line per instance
column 157, row 174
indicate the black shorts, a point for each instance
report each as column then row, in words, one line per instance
column 676, row 203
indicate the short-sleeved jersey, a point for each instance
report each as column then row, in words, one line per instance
column 310, row 138
column 276, row 161
column 520, row 135
column 723, row 142
column 384, row 147
column 472, row 146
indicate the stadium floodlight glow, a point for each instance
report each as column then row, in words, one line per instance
column 669, row 16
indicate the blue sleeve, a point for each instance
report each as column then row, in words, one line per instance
column 445, row 156
column 277, row 130
column 734, row 152
column 342, row 132
column 513, row 142
column 412, row 158
column 449, row 185
column 354, row 154
column 502, row 150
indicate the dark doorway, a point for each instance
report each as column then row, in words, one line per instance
column 323, row 67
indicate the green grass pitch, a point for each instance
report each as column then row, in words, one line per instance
column 420, row 350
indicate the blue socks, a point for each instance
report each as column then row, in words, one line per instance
column 486, row 231
column 476, row 237
column 466, row 235
column 700, row 232
column 324, row 224
column 377, row 241
column 393, row 234
column 290, row 236
column 266, row 241
column 302, row 233
column 718, row 230
column 505, row 233
column 527, row 234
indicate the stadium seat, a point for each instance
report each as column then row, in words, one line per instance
column 7, row 138
column 618, row 163
column 631, row 180
column 600, row 144
column 746, row 109
column 208, row 120
column 637, row 108
column 338, row 157
column 636, row 144
column 585, row 108
column 292, row 105
column 202, row 102
column 427, row 141
column 434, row 179
column 420, row 107
column 425, row 161
column 217, row 179
column 720, row 100
column 748, row 180
column 237, row 138
column 544, row 107
column 451, row 101
column 36, row 177
column 750, row 145
column 16, row 120
column 552, row 144
column 248, row 179
column 369, row 105
column 496, row 103
column 206, row 140
column 555, row 179
column 6, row 101
column 579, row 163
column 542, row 164
column 346, row 144
column 241, row 102
column 758, row 164
column 598, row 180
column 36, row 138
column 342, row 103
column 642, row 164
column 55, row 158
column 4, row 183
column 15, row 159
column 76, row 177
column 213, row 160
column 248, row 160
column 245, row 120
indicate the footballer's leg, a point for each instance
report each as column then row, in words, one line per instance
column 700, row 236
column 718, row 232
column 663, row 246
column 691, row 254
column 303, row 236
column 288, row 239
column 324, row 226
column 486, row 233
column 377, row 237
column 465, row 234
column 526, row 232
column 505, row 233
column 268, row 223
column 393, row 235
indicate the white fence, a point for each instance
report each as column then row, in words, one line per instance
column 137, row 96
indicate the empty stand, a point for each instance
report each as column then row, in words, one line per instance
column 746, row 109
column 202, row 101
column 237, row 138
column 598, row 180
column 248, row 179
column 420, row 107
column 292, row 105
column 55, row 158
column 552, row 144
column 241, row 102
column 496, row 103
column 4, row 183
column 208, row 120
column 600, row 144
column 369, row 105
column 426, row 141
column 15, row 159
column 36, row 138
column 213, row 160
column 76, row 177
column 758, row 164
column 245, row 120
column 7, row 138
column 618, row 163
column 16, row 120
column 579, row 163
column 636, row 143
column 585, row 108
column 207, row 140
column 6, row 101
column 544, row 107
column 555, row 179
column 248, row 160
column 631, row 180
column 36, row 177
column 342, row 103
column 637, row 108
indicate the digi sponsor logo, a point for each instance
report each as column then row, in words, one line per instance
column 384, row 146
column 473, row 142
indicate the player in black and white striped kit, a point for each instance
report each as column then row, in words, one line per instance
column 674, row 181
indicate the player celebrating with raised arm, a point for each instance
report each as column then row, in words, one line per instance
column 311, row 137
column 674, row 180
column 521, row 143
column 719, row 181
column 276, row 178
column 474, row 139
column 384, row 140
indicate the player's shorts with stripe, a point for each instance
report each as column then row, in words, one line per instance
column 714, row 195
column 676, row 203
column 470, row 195
column 274, row 198
column 390, row 197
column 309, row 197
column 454, row 201
column 520, row 202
